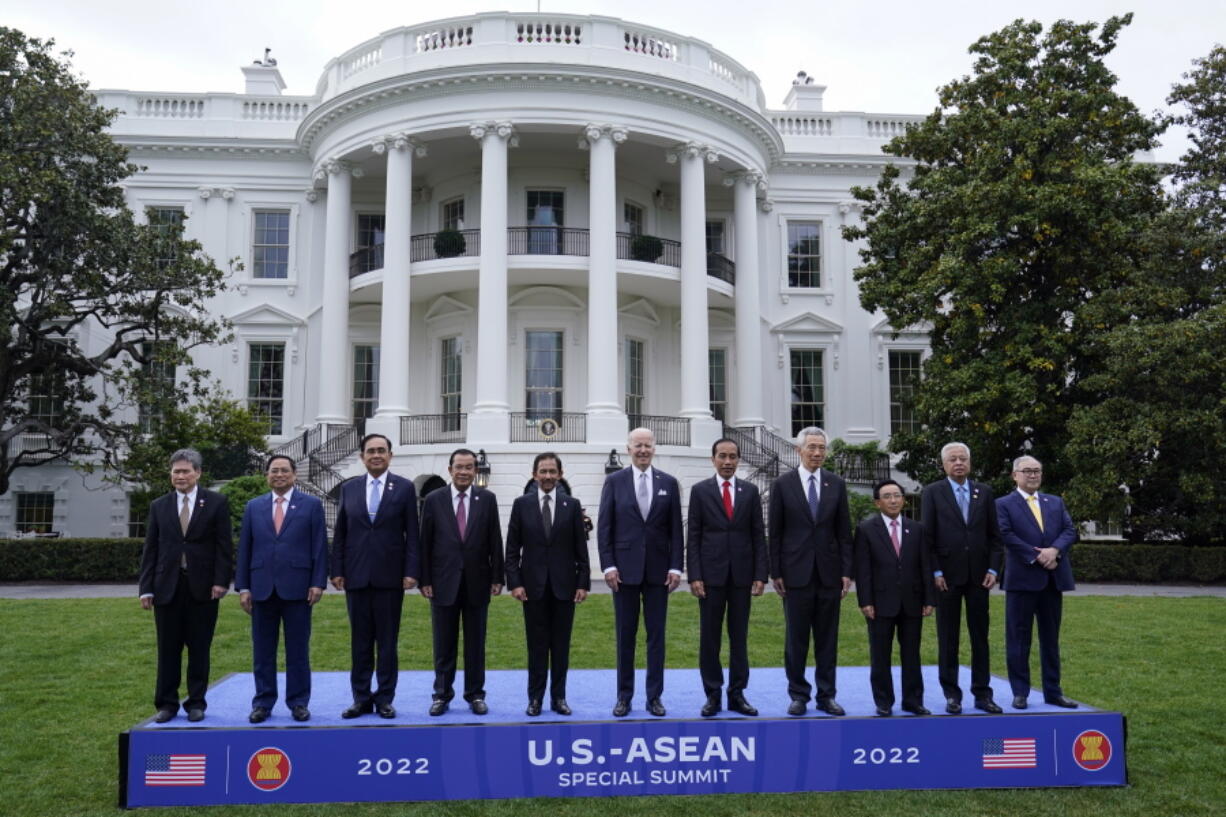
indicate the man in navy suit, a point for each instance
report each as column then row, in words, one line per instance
column 811, row 567
column 282, row 570
column 375, row 558
column 895, row 592
column 726, row 560
column 461, row 567
column 963, row 543
column 1038, row 532
column 185, row 568
column 547, row 570
column 641, row 550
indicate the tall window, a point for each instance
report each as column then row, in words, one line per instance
column 804, row 254
column 266, row 382
column 546, row 212
column 159, row 383
column 137, row 521
column 632, row 217
column 166, row 221
column 451, row 386
column 35, row 512
column 634, row 377
column 47, row 397
column 453, row 214
column 808, row 396
column 365, row 381
column 904, row 377
column 715, row 237
column 369, row 241
column 270, row 247
column 717, row 376
column 543, row 375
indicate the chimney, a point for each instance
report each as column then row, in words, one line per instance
column 263, row 77
column 804, row 95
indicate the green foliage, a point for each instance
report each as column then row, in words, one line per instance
column 449, row 243
column 1148, row 563
column 646, row 248
column 75, row 264
column 860, row 504
column 70, row 560
column 239, row 491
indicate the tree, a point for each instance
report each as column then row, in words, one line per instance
column 86, row 292
column 1024, row 204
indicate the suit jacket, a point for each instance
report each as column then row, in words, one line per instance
column 289, row 562
column 642, row 550
column 557, row 563
column 1022, row 538
column 445, row 558
column 963, row 551
column 722, row 551
column 209, row 545
column 379, row 553
column 894, row 583
column 802, row 550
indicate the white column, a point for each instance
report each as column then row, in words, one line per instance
column 334, row 351
column 749, row 365
column 488, row 420
column 606, row 419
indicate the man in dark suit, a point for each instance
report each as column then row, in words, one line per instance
column 963, row 544
column 282, row 570
column 726, row 560
column 461, row 567
column 641, row 549
column 1038, row 533
column 375, row 558
column 547, row 570
column 811, row 566
column 895, row 592
column 185, row 568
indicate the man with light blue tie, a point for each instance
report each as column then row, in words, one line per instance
column 963, row 543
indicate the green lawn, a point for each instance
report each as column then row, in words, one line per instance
column 73, row 674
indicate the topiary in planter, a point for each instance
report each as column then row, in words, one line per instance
column 449, row 243
column 646, row 248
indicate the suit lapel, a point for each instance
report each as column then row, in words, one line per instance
column 193, row 525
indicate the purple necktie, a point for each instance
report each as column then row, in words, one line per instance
column 894, row 537
column 461, row 516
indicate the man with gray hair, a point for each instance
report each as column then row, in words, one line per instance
column 811, row 568
column 185, row 568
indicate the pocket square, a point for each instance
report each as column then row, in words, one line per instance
column 662, row 492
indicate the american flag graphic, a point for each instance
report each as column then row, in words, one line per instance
column 174, row 770
column 1009, row 753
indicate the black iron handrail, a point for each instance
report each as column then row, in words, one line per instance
column 423, row 429
column 667, row 430
column 547, row 241
column 547, row 426
column 670, row 250
column 722, row 268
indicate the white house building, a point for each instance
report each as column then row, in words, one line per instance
column 519, row 232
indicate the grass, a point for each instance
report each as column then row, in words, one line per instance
column 75, row 673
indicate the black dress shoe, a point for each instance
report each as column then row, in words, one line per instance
column 1020, row 702
column 560, row 706
column 621, row 709
column 358, row 709
column 164, row 715
column 738, row 704
column 656, row 707
column 534, row 707
column 711, row 707
column 438, row 707
column 195, row 715
column 988, row 705
column 953, row 706
column 386, row 711
column 478, row 707
column 916, row 709
column 885, row 711
column 797, row 707
column 831, row 707
column 1060, row 700
column 301, row 713
column 258, row 715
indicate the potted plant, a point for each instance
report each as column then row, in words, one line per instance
column 646, row 248
column 449, row 243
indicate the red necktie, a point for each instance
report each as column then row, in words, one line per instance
column 894, row 537
column 727, row 499
column 278, row 514
column 461, row 516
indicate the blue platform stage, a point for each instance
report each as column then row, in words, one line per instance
column 506, row 754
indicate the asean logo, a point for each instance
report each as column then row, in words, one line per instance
column 268, row 769
column 1092, row 750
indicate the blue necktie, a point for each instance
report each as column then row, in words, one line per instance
column 813, row 497
column 373, row 505
column 964, row 503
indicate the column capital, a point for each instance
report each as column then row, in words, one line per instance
column 593, row 132
column 312, row 195
column 398, row 141
column 692, row 150
column 205, row 193
column 766, row 205
column 503, row 128
column 334, row 167
column 753, row 178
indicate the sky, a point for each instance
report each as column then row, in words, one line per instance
column 887, row 56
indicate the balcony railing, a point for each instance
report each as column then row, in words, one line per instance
column 547, row 241
column 545, row 427
column 862, row 469
column 429, row 247
column 423, row 429
column 668, row 430
column 628, row 249
column 722, row 268
column 365, row 259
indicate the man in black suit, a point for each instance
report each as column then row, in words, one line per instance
column 185, row 568
column 894, row 590
column 811, row 566
column 375, row 558
column 461, row 567
column 641, row 546
column 963, row 544
column 726, row 560
column 547, row 570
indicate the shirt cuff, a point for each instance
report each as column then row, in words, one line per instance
column 609, row 570
column 991, row 572
column 675, row 572
column 146, row 595
column 937, row 574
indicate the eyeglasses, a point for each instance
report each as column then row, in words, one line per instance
column 1032, row 472
column 889, row 496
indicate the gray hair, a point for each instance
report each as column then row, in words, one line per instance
column 945, row 449
column 648, row 431
column 1017, row 463
column 189, row 455
column 809, row 431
